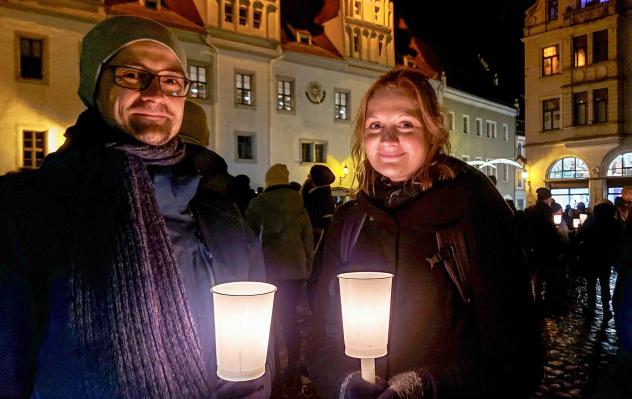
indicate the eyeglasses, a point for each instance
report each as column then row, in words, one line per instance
column 140, row 79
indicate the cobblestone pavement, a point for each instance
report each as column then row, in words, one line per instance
column 580, row 353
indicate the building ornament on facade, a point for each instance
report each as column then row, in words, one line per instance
column 315, row 93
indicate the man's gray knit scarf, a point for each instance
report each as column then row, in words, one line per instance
column 136, row 320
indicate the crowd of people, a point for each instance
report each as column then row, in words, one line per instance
column 110, row 248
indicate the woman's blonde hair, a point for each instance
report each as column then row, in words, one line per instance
column 416, row 85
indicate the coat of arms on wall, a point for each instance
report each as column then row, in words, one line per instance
column 315, row 93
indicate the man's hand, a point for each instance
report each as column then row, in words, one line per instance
column 253, row 389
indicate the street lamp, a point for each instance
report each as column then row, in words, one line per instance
column 345, row 172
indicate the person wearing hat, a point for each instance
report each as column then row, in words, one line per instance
column 543, row 242
column 277, row 215
column 109, row 250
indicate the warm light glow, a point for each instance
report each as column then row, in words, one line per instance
column 557, row 219
column 575, row 223
column 525, row 175
column 582, row 218
column 243, row 311
column 345, row 170
column 366, row 302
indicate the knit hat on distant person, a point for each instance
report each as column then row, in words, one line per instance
column 194, row 125
column 543, row 193
column 321, row 175
column 109, row 37
column 277, row 174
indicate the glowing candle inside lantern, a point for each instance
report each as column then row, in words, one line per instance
column 575, row 223
column 557, row 219
column 582, row 218
column 243, row 311
column 366, row 302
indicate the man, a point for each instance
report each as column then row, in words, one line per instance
column 108, row 252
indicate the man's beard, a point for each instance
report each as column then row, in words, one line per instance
column 157, row 133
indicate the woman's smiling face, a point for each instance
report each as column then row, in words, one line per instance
column 395, row 138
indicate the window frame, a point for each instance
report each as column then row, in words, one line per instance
column 553, row 112
column 551, row 10
column 466, row 124
column 505, row 132
column 625, row 169
column 479, row 127
column 555, row 66
column 252, row 89
column 574, row 170
column 207, row 67
column 292, row 95
column 580, row 108
column 490, row 133
column 33, row 149
column 19, row 35
column 253, row 144
column 347, row 105
column 599, row 101
column 600, row 47
column 580, row 47
column 314, row 143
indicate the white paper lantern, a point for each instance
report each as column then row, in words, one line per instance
column 243, row 311
column 557, row 219
column 582, row 218
column 576, row 223
column 366, row 303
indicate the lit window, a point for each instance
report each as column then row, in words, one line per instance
column 569, row 168
column 256, row 18
column 245, row 147
column 551, row 114
column 571, row 196
column 244, row 89
column 587, row 3
column 600, row 105
column 479, row 127
column 357, row 7
column 621, row 165
column 600, row 46
column 341, row 105
column 313, row 151
column 285, row 93
column 580, row 108
column 199, row 88
column 550, row 60
column 33, row 148
column 580, row 49
column 31, row 58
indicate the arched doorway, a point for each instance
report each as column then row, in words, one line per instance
column 568, row 180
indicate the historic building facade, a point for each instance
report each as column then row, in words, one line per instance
column 578, row 98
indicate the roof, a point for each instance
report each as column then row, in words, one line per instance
column 180, row 14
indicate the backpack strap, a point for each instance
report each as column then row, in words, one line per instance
column 453, row 254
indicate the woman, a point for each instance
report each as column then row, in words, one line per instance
column 449, row 336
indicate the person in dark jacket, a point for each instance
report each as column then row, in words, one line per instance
column 277, row 215
column 449, row 336
column 109, row 250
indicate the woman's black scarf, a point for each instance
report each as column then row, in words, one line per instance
column 391, row 195
column 128, row 307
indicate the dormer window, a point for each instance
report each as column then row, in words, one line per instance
column 256, row 18
column 409, row 62
column 152, row 4
column 304, row 37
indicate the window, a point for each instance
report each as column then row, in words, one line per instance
column 243, row 15
column 505, row 132
column 228, row 12
column 31, row 58
column 621, row 165
column 244, row 84
column 285, row 94
column 33, row 148
column 152, row 4
column 550, row 60
column 580, row 108
column 580, row 50
column 378, row 6
column 569, row 168
column 551, row 10
column 614, row 192
column 519, row 179
column 356, row 42
column 600, row 46
column 304, row 37
column 357, row 7
column 256, row 18
column 571, row 196
column 505, row 172
column 466, row 124
column 519, row 148
column 491, row 170
column 313, row 151
column 587, row 3
column 197, row 74
column 479, row 127
column 245, row 147
column 465, row 158
column 451, row 121
column 491, row 129
column 551, row 114
column 341, row 105
column 600, row 105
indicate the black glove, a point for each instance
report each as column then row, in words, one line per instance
column 253, row 389
column 357, row 388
